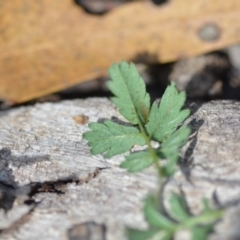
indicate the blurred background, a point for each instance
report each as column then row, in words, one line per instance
column 56, row 50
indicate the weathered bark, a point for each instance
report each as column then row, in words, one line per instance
column 53, row 188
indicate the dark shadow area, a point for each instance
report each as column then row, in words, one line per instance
column 100, row 7
column 9, row 188
column 7, row 181
column 232, row 85
column 7, row 197
column 159, row 2
column 210, row 81
column 185, row 163
column 145, row 57
column 159, row 79
column 193, row 106
column 80, row 92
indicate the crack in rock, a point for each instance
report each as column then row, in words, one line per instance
column 59, row 186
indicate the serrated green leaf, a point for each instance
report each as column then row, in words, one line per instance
column 130, row 92
column 110, row 138
column 178, row 208
column 138, row 161
column 154, row 217
column 170, row 147
column 201, row 232
column 164, row 120
column 134, row 234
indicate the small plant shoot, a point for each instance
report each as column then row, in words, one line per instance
column 161, row 123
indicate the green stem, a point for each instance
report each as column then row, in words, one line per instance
column 158, row 167
column 152, row 151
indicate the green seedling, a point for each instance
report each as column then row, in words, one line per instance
column 147, row 124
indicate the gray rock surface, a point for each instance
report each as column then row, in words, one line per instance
column 51, row 187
